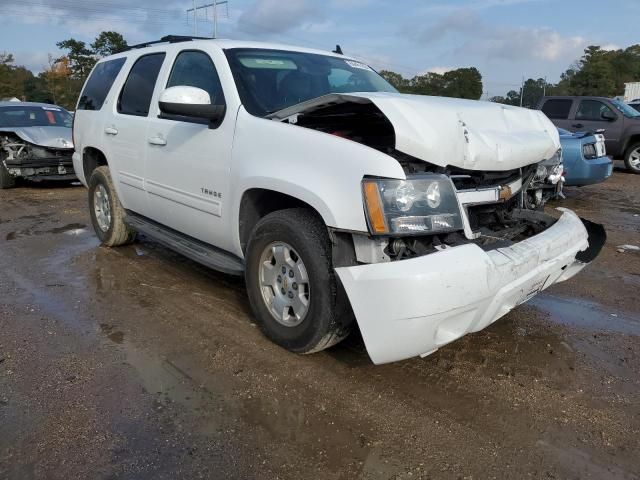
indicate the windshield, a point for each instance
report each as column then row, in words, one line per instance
column 270, row 80
column 626, row 110
column 34, row 116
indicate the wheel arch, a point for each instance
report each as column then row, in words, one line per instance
column 257, row 202
column 92, row 158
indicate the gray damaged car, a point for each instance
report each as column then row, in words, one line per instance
column 35, row 142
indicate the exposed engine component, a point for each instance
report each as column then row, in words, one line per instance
column 544, row 183
column 23, row 159
column 13, row 149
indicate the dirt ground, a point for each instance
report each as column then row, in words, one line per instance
column 136, row 363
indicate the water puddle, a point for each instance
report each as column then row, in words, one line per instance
column 70, row 229
column 219, row 402
column 585, row 314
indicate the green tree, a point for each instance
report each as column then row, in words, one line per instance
column 108, row 43
column 461, row 83
column 81, row 59
column 13, row 79
column 395, row 79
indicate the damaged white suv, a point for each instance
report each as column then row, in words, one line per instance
column 337, row 198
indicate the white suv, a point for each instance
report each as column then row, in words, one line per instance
column 336, row 197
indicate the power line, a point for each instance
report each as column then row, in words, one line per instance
column 206, row 7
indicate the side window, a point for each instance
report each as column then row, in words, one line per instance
column 99, row 84
column 135, row 97
column 592, row 110
column 193, row 68
column 557, row 109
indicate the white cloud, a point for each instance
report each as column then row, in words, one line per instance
column 474, row 37
column 610, row 47
column 135, row 20
column 277, row 16
column 34, row 61
column 438, row 70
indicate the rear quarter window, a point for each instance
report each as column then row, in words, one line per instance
column 557, row 109
column 99, row 84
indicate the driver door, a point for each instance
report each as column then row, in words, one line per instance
column 590, row 116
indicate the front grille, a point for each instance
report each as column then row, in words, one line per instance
column 471, row 179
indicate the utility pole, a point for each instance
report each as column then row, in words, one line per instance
column 544, row 87
column 213, row 5
column 521, row 91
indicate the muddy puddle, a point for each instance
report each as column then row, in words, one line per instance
column 582, row 313
column 70, row 229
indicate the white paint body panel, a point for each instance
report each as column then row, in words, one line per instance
column 413, row 307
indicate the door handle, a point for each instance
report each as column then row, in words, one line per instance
column 158, row 140
column 577, row 125
column 111, row 131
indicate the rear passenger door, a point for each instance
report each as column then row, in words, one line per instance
column 126, row 128
column 590, row 116
column 558, row 110
column 188, row 161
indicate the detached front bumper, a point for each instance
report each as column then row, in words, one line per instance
column 413, row 307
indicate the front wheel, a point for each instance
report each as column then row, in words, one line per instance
column 632, row 158
column 107, row 214
column 291, row 284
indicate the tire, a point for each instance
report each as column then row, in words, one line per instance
column 107, row 214
column 6, row 180
column 632, row 158
column 324, row 323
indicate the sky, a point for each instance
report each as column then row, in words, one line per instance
column 504, row 39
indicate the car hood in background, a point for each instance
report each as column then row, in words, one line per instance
column 449, row 131
column 51, row 137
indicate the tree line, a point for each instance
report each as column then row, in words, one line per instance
column 62, row 78
column 598, row 72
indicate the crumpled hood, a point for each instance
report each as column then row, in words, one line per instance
column 462, row 133
column 51, row 137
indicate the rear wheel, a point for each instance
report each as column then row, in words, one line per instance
column 107, row 214
column 6, row 180
column 632, row 158
column 291, row 284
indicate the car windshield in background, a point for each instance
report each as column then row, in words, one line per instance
column 32, row 116
column 626, row 110
column 270, row 80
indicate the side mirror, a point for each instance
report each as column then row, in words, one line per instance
column 191, row 102
column 608, row 116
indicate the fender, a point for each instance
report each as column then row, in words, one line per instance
column 320, row 169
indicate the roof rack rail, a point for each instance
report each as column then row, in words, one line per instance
column 166, row 39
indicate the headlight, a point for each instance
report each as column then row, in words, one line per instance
column 417, row 206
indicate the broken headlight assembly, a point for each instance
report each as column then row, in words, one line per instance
column 420, row 205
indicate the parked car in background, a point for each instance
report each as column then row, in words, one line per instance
column 620, row 122
column 35, row 143
column 584, row 158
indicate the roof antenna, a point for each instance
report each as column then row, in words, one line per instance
column 338, row 50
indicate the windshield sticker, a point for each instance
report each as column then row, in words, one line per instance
column 268, row 63
column 53, row 109
column 360, row 65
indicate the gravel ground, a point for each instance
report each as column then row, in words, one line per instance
column 137, row 363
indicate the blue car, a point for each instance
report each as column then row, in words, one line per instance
column 584, row 158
